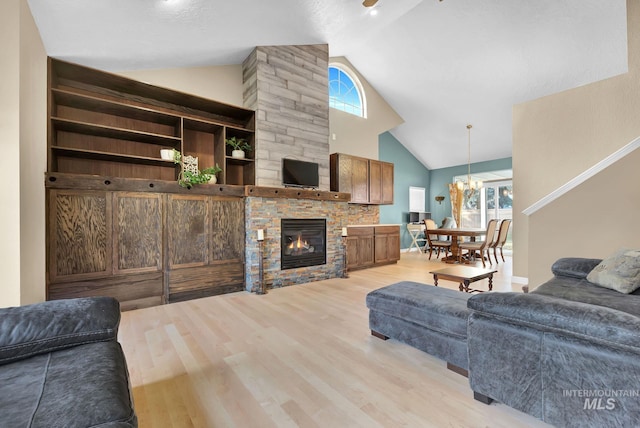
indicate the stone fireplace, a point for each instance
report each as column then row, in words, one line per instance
column 267, row 213
column 287, row 87
column 302, row 242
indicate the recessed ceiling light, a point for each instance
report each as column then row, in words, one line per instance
column 373, row 11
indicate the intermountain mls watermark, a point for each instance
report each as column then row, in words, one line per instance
column 600, row 399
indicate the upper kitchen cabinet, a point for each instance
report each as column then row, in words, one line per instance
column 369, row 181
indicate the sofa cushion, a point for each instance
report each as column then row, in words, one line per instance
column 581, row 290
column 436, row 308
column 43, row 327
column 574, row 267
column 75, row 387
column 620, row 272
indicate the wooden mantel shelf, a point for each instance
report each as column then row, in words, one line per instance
column 58, row 180
column 292, row 193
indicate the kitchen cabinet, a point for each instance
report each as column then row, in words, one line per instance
column 368, row 181
column 372, row 245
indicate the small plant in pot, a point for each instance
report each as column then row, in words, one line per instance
column 207, row 175
column 189, row 178
column 239, row 145
column 212, row 172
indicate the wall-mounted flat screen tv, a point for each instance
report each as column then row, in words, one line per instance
column 296, row 173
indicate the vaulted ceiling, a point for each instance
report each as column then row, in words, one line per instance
column 440, row 65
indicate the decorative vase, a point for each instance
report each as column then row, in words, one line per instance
column 166, row 154
column 237, row 154
column 213, row 179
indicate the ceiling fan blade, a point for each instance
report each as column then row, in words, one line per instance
column 369, row 3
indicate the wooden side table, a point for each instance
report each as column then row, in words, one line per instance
column 464, row 275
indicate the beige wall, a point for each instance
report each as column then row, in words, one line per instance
column 22, row 164
column 10, row 146
column 596, row 219
column 560, row 136
column 219, row 83
column 33, row 159
column 355, row 135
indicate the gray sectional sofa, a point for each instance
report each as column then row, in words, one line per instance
column 567, row 353
column 61, row 366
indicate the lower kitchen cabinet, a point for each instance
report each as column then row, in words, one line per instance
column 372, row 245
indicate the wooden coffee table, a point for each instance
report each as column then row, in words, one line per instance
column 464, row 275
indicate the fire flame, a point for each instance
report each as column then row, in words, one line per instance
column 298, row 244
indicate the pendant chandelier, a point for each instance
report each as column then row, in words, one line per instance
column 469, row 188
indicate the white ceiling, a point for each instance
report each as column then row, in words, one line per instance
column 440, row 65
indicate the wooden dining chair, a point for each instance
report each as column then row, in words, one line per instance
column 494, row 240
column 433, row 242
column 475, row 247
column 501, row 239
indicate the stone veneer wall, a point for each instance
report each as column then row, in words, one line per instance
column 364, row 214
column 287, row 86
column 266, row 213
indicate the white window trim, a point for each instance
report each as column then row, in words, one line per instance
column 356, row 81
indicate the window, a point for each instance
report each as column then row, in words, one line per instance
column 495, row 200
column 345, row 91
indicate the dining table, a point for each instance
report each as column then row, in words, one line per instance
column 456, row 233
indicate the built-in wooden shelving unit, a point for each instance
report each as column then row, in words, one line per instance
column 118, row 223
column 105, row 124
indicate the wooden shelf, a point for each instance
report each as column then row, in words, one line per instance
column 86, row 102
column 111, row 132
column 202, row 125
column 236, row 161
column 294, row 193
column 114, row 157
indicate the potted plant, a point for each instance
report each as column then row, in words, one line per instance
column 207, row 175
column 211, row 172
column 239, row 145
column 190, row 178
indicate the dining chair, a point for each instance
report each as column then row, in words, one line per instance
column 432, row 241
column 475, row 247
column 501, row 239
column 494, row 241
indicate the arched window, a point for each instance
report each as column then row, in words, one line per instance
column 345, row 91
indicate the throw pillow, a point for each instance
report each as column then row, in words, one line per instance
column 620, row 272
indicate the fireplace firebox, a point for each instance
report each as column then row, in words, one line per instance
column 303, row 242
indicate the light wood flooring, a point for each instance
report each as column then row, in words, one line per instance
column 299, row 356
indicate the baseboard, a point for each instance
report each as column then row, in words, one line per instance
column 520, row 280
